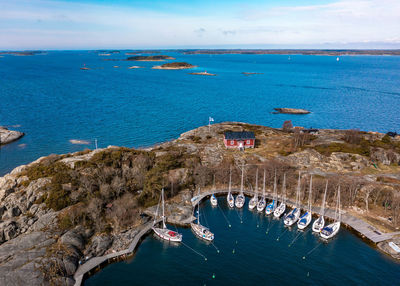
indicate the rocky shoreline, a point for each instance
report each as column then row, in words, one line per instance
column 8, row 136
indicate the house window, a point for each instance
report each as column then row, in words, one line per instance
column 232, row 142
column 248, row 142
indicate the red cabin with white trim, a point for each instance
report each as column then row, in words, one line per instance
column 240, row 140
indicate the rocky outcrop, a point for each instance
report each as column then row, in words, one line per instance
column 291, row 111
column 386, row 157
column 7, row 136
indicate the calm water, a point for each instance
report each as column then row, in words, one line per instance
column 50, row 99
column 249, row 256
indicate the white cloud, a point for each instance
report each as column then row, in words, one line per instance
column 46, row 24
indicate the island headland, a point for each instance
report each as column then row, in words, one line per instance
column 156, row 58
column 174, row 66
column 61, row 210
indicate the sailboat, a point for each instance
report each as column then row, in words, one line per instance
column 282, row 206
column 213, row 199
column 254, row 200
column 261, row 203
column 271, row 206
column 229, row 197
column 294, row 214
column 164, row 232
column 240, row 199
column 319, row 224
column 332, row 229
column 200, row 230
column 306, row 218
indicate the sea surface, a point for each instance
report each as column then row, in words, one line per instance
column 53, row 101
column 255, row 250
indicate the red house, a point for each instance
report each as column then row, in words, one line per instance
column 241, row 140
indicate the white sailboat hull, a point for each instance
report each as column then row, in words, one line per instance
column 305, row 220
column 239, row 202
column 280, row 210
column 319, row 224
column 167, row 234
column 253, row 203
column 202, row 232
column 330, row 230
column 261, row 205
column 214, row 201
column 292, row 217
column 230, row 200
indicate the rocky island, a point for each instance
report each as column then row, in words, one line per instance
column 174, row 66
column 203, row 73
column 61, row 210
column 291, row 111
column 8, row 136
column 157, row 58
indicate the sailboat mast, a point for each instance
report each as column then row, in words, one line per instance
column 198, row 210
column 163, row 214
column 323, row 202
column 339, row 214
column 309, row 195
column 284, row 188
column 264, row 185
column 230, row 179
column 298, row 193
column 275, row 191
column 256, row 182
column 241, row 182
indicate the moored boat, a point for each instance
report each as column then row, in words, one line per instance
column 282, row 206
column 294, row 214
column 261, row 203
column 319, row 223
column 332, row 229
column 163, row 232
column 254, row 200
column 306, row 218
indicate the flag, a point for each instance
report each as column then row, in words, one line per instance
column 210, row 119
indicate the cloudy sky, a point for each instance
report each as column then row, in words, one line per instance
column 89, row 24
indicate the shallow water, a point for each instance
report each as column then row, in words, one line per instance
column 248, row 255
column 53, row 101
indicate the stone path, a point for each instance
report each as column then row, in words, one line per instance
column 96, row 261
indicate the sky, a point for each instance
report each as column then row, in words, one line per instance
column 131, row 24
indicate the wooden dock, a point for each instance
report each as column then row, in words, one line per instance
column 365, row 229
column 98, row 261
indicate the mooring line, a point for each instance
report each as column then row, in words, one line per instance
column 282, row 233
column 215, row 247
column 241, row 218
column 205, row 258
column 312, row 250
column 300, row 233
column 229, row 224
column 269, row 225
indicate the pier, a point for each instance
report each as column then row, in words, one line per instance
column 98, row 261
column 362, row 227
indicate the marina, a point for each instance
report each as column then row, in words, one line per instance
column 242, row 249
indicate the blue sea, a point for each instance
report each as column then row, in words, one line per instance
column 259, row 251
column 52, row 100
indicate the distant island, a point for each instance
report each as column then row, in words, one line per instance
column 294, row 52
column 150, row 58
column 174, row 66
column 22, row 53
column 291, row 111
column 203, row 73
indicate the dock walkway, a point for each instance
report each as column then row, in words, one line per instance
column 97, row 261
column 364, row 228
